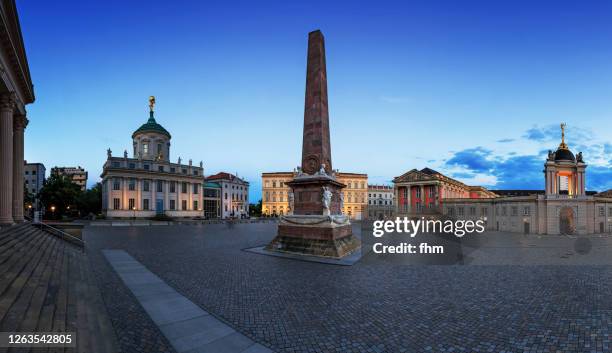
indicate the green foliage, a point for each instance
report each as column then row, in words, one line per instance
column 255, row 209
column 90, row 201
column 59, row 192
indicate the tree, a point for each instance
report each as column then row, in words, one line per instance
column 255, row 209
column 90, row 201
column 58, row 195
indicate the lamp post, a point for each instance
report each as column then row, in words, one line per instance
column 53, row 211
column 134, row 215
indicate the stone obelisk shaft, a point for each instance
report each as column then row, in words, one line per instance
column 316, row 148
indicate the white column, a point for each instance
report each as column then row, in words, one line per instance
column 124, row 186
column 19, row 124
column 166, row 198
column 7, row 103
column 190, row 193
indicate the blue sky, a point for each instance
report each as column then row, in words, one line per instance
column 475, row 89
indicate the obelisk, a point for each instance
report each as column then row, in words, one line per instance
column 315, row 225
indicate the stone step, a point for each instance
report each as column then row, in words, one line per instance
column 18, row 270
column 15, row 243
column 26, row 286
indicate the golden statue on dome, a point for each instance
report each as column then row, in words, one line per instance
column 151, row 102
column 563, row 145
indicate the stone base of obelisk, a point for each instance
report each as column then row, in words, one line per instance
column 317, row 235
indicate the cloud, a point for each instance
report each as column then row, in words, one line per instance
column 473, row 159
column 553, row 133
column 513, row 172
column 599, row 178
column 505, row 140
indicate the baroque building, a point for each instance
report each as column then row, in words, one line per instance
column 148, row 184
column 563, row 207
column 275, row 193
column 380, row 201
column 234, row 193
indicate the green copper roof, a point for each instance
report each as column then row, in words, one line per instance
column 151, row 126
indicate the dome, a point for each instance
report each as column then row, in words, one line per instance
column 151, row 126
column 564, row 154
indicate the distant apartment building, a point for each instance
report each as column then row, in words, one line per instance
column 234, row 195
column 275, row 193
column 380, row 201
column 78, row 175
column 212, row 200
column 34, row 177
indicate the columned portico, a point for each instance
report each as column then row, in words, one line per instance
column 19, row 124
column 7, row 104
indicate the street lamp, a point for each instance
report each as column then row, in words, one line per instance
column 134, row 210
column 53, row 211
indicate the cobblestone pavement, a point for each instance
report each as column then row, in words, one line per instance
column 484, row 295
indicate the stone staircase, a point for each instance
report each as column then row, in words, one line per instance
column 46, row 285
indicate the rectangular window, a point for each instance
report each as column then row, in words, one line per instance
column 172, row 186
column 160, row 168
column 145, row 185
column 504, row 211
column 146, row 167
column 172, row 205
column 195, row 205
column 514, row 210
column 116, row 165
column 172, row 170
column 484, row 211
column 472, row 211
column 160, row 186
column 116, row 204
column 145, row 148
column 132, row 165
column 184, row 205
column 132, row 185
column 602, row 211
column 460, row 211
column 195, row 172
column 184, row 171
column 196, row 188
column 184, row 188
column 116, row 184
column 450, row 211
column 145, row 204
column 131, row 203
column 526, row 211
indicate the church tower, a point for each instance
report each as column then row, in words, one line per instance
column 564, row 173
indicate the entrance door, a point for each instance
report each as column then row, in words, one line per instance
column 159, row 206
column 566, row 221
column 526, row 227
column 601, row 227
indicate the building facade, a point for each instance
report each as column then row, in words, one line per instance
column 234, row 195
column 16, row 91
column 77, row 175
column 563, row 207
column 275, row 193
column 148, row 184
column 34, row 177
column 423, row 191
column 381, row 202
column 212, row 200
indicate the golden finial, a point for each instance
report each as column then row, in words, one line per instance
column 151, row 102
column 563, row 145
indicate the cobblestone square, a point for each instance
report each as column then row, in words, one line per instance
column 497, row 292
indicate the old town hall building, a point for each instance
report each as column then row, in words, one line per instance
column 148, row 184
column 563, row 207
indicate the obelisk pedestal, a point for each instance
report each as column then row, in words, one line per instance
column 316, row 225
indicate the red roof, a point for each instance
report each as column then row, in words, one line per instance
column 223, row 176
